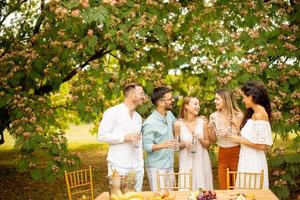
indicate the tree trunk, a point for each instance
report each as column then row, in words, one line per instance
column 4, row 122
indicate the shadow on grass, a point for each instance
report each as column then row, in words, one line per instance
column 19, row 186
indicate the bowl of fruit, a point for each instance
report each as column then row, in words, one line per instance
column 203, row 195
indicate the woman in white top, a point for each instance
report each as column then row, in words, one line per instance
column 226, row 120
column 193, row 134
column 256, row 134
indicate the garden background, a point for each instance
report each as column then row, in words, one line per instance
column 64, row 62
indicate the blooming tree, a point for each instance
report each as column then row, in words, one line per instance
column 64, row 61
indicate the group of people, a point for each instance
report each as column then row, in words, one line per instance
column 242, row 138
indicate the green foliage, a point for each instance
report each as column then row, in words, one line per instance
column 285, row 171
column 65, row 61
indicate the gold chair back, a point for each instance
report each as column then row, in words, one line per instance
column 244, row 180
column 174, row 181
column 80, row 184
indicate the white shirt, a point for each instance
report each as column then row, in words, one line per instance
column 115, row 124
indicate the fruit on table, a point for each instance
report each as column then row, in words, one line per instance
column 133, row 195
column 203, row 195
column 165, row 195
column 242, row 196
column 127, row 196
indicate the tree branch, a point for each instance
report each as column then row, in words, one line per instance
column 63, row 107
column 40, row 19
column 98, row 54
column 18, row 4
column 23, row 33
column 48, row 87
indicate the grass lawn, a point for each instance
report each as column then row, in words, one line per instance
column 18, row 186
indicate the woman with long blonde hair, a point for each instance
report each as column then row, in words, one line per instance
column 224, row 121
column 192, row 132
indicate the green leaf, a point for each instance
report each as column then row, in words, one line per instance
column 36, row 174
column 23, row 165
column 71, row 4
column 95, row 14
column 92, row 41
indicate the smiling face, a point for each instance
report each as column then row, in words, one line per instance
column 193, row 106
column 138, row 95
column 219, row 102
column 167, row 101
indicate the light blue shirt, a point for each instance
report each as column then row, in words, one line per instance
column 156, row 130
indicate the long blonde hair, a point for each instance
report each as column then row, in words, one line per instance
column 230, row 103
column 185, row 101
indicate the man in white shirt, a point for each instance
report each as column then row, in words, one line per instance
column 120, row 127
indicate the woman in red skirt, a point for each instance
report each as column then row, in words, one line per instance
column 225, row 120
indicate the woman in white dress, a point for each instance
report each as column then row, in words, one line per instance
column 256, row 134
column 192, row 132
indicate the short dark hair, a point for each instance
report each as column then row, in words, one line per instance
column 158, row 93
column 128, row 87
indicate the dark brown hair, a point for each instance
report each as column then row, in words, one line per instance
column 259, row 96
column 158, row 93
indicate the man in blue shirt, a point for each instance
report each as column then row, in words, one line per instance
column 158, row 140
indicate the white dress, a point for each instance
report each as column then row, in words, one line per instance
column 251, row 159
column 199, row 162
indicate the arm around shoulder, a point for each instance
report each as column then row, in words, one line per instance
column 205, row 141
column 211, row 130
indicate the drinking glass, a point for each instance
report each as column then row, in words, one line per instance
column 194, row 148
column 176, row 139
column 136, row 144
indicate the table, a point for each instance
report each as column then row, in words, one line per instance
column 221, row 194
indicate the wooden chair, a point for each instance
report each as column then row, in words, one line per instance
column 244, row 180
column 174, row 181
column 80, row 184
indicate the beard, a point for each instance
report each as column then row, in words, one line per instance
column 169, row 107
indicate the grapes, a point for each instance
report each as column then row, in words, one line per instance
column 207, row 195
column 203, row 195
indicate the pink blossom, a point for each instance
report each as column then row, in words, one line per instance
column 295, row 28
column 292, row 37
column 75, row 13
column 26, row 135
column 272, row 84
column 79, row 47
column 281, row 37
column 85, row 3
column 254, row 34
column 39, row 129
column 263, row 65
column 222, row 49
column 61, row 12
column 277, row 116
column 90, row 32
column 61, row 33
column 168, row 28
column 55, row 59
column 285, row 26
column 68, row 43
column 290, row 46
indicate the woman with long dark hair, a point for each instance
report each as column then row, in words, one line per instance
column 225, row 120
column 256, row 134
